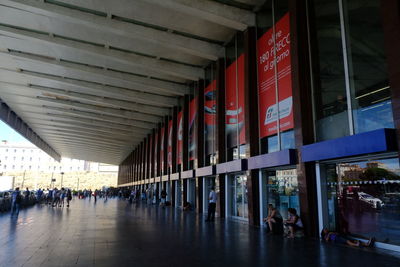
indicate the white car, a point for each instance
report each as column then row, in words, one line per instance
column 376, row 203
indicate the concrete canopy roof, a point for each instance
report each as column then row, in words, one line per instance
column 93, row 78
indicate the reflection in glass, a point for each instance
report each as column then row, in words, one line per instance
column 208, row 183
column 239, row 196
column 363, row 198
column 369, row 83
column 280, row 188
column 330, row 101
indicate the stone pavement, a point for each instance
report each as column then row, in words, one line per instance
column 114, row 233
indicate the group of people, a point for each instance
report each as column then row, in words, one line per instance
column 54, row 197
column 146, row 196
column 277, row 225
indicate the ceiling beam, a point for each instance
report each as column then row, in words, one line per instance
column 88, row 73
column 84, row 140
column 92, row 138
column 228, row 16
column 144, row 110
column 92, row 99
column 97, row 138
column 146, row 102
column 98, row 117
column 152, row 64
column 82, row 132
column 140, row 120
column 170, row 40
column 70, row 122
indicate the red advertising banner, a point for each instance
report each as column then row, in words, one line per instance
column 155, row 154
column 162, row 132
column 179, row 149
column 192, row 129
column 234, row 82
column 267, row 83
column 169, row 151
column 210, row 112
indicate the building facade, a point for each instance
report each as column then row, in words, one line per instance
column 302, row 112
column 32, row 167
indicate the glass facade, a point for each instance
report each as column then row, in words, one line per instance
column 351, row 89
column 363, row 198
column 274, row 77
column 346, row 89
column 238, row 197
column 210, row 115
column 234, row 98
column 280, row 188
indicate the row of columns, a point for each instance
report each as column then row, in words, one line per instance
column 139, row 165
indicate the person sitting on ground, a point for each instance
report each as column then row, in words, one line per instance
column 334, row 237
column 293, row 222
column 187, row 206
column 274, row 220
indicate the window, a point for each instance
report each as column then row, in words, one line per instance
column 13, row 167
column 30, row 159
column 30, row 167
column 362, row 198
column 351, row 88
column 22, row 158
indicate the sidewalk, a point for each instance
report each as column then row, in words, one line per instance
column 114, row 233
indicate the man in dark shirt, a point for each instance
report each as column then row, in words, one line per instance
column 15, row 202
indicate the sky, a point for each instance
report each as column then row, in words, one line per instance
column 7, row 133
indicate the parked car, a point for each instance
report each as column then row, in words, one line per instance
column 5, row 201
column 374, row 202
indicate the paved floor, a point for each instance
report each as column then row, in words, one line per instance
column 117, row 234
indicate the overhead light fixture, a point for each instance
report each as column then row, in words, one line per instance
column 373, row 92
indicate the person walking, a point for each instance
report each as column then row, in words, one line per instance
column 16, row 199
column 212, row 204
column 39, row 195
column 163, row 198
column 27, row 196
column 62, row 196
column 69, row 197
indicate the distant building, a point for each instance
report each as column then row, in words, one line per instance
column 17, row 157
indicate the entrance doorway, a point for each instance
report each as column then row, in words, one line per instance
column 279, row 188
column 191, row 192
column 238, row 200
column 208, row 183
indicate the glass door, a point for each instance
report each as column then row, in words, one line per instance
column 239, row 197
column 280, row 188
column 208, row 183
